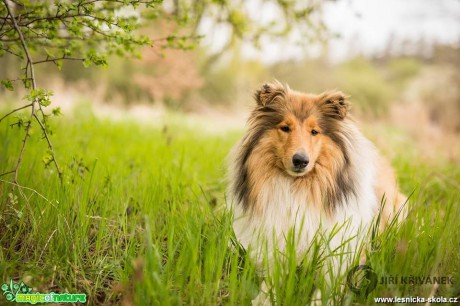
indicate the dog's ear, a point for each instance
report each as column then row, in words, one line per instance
column 335, row 104
column 269, row 93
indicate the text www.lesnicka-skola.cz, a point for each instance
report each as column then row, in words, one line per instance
column 416, row 299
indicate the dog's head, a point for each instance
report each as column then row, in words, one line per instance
column 301, row 130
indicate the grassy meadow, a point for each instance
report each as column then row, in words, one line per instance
column 140, row 220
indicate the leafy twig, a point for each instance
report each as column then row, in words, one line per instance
column 15, row 110
column 54, row 60
column 49, row 145
column 29, row 68
column 27, row 188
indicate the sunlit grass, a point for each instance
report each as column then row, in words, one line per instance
column 140, row 219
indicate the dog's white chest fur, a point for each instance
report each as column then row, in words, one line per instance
column 286, row 210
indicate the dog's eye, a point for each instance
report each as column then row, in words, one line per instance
column 285, row 128
column 314, row 132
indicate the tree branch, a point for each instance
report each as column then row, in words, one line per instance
column 4, row 21
column 29, row 68
column 15, row 110
column 54, row 59
column 8, row 50
column 6, row 173
column 24, row 142
column 29, row 60
column 23, row 43
column 49, row 145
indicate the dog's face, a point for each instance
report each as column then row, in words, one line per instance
column 298, row 143
column 301, row 128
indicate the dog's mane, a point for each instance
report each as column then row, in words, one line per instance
column 326, row 185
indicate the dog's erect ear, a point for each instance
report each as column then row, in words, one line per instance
column 334, row 104
column 270, row 92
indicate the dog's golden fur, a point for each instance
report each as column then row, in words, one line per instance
column 266, row 150
column 344, row 177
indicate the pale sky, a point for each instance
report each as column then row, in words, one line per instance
column 370, row 23
column 365, row 26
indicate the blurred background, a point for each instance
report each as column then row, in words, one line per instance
column 398, row 60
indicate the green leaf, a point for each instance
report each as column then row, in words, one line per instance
column 8, row 84
column 47, row 159
column 56, row 111
column 27, row 82
column 41, row 96
column 49, row 53
column 45, row 102
column 59, row 64
column 92, row 57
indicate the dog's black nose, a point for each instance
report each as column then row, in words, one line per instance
column 300, row 160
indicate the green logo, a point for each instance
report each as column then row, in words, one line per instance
column 10, row 291
column 21, row 293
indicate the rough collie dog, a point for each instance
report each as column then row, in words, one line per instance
column 304, row 164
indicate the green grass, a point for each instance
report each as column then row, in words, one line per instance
column 140, row 219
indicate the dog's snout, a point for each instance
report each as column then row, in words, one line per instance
column 300, row 160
